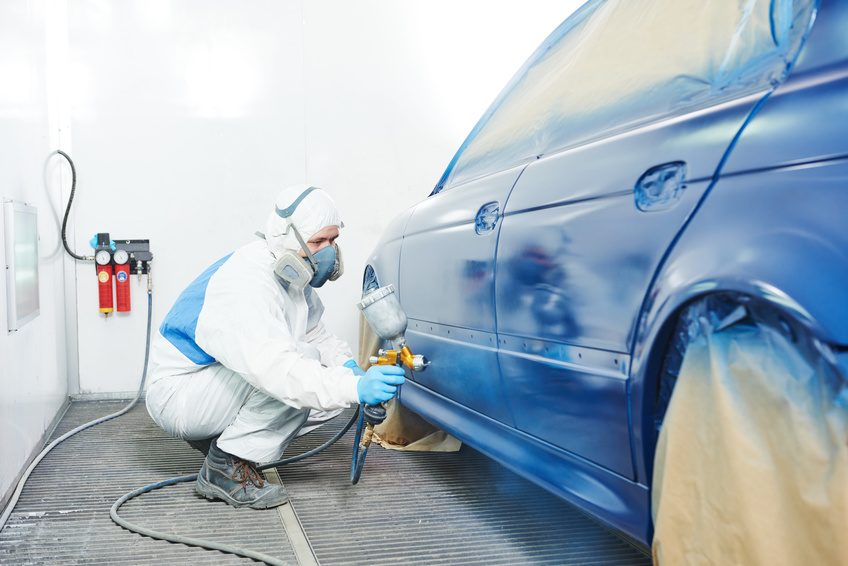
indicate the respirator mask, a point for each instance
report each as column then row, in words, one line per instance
column 314, row 269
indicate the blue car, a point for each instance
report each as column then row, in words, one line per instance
column 650, row 160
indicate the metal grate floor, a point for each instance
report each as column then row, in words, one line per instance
column 408, row 508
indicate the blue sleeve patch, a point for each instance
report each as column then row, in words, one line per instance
column 180, row 324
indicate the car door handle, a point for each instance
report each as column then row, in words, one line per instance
column 487, row 217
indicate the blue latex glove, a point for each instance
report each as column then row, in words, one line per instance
column 354, row 366
column 379, row 384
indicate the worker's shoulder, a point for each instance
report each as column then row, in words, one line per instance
column 253, row 255
column 252, row 262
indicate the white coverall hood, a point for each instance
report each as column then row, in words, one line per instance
column 314, row 213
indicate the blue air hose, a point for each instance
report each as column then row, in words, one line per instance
column 358, row 459
column 14, row 500
column 113, row 512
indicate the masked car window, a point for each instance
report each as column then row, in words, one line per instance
column 619, row 64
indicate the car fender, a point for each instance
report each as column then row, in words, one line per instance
column 385, row 257
column 776, row 235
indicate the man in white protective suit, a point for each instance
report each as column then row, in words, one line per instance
column 243, row 361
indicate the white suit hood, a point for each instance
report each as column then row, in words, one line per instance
column 314, row 213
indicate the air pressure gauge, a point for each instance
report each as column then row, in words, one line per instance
column 103, row 257
column 121, row 256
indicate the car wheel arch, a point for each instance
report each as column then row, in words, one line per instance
column 656, row 336
column 747, row 260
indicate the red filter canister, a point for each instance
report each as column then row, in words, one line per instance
column 104, row 286
column 122, row 287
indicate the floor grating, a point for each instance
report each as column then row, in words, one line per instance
column 408, row 507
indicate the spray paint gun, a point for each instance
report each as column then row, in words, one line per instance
column 388, row 321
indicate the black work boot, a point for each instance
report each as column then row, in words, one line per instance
column 236, row 481
column 201, row 445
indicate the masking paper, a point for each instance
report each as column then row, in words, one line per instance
column 751, row 465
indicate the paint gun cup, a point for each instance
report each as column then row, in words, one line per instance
column 387, row 319
column 385, row 315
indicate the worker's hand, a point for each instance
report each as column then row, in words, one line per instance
column 354, row 366
column 379, row 384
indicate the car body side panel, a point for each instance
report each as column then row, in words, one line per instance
column 614, row 500
column 463, row 366
column 447, row 275
column 575, row 259
column 386, row 257
column 779, row 235
column 577, row 209
column 810, row 106
column 447, row 283
column 580, row 408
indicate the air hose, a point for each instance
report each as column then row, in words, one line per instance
column 68, row 208
column 212, row 544
column 14, row 500
column 19, row 488
column 369, row 417
column 358, row 459
column 359, row 452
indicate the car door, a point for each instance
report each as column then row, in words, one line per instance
column 575, row 258
column 624, row 116
column 446, row 285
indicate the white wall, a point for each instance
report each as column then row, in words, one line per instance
column 185, row 118
column 189, row 116
column 33, row 359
